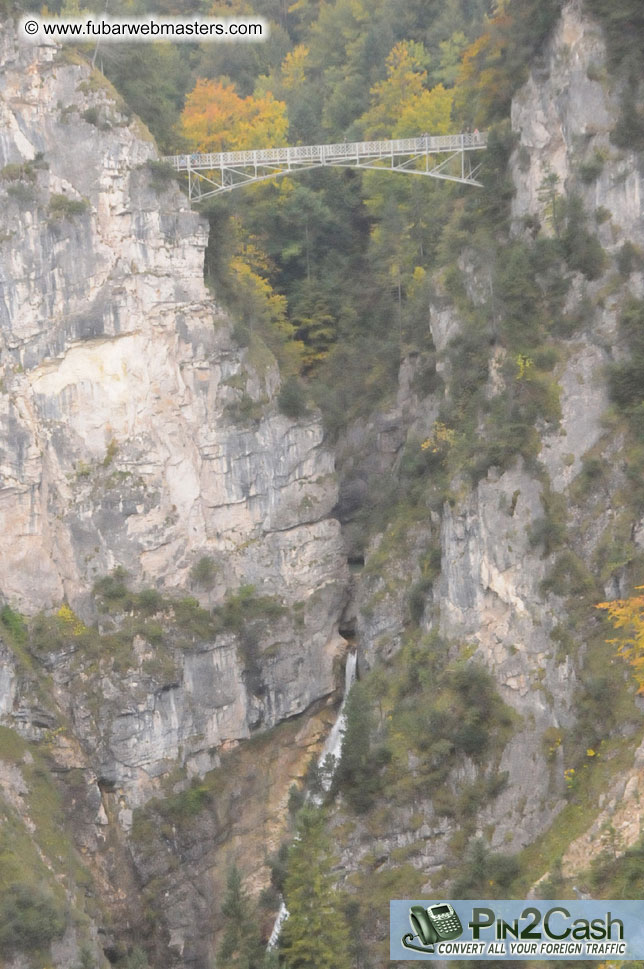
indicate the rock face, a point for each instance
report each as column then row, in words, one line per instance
column 121, row 441
column 114, row 354
column 489, row 591
column 134, row 432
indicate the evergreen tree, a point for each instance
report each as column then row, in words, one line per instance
column 242, row 946
column 316, row 935
column 358, row 773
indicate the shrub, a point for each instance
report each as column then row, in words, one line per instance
column 13, row 623
column 629, row 259
column 29, row 919
column 194, row 622
column 550, row 531
column 22, row 192
column 292, row 398
column 149, row 601
column 204, row 572
column 245, row 605
column 246, row 410
column 61, row 207
column 619, row 877
column 583, row 250
column 114, row 587
column 91, row 116
column 484, row 873
column 568, row 577
column 589, row 171
column 162, row 175
column 626, row 380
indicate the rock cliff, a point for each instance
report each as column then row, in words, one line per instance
column 143, row 458
column 478, row 569
column 137, row 436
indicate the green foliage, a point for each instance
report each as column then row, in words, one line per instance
column 61, row 207
column 278, row 864
column 623, row 25
column 242, row 946
column 550, row 531
column 484, row 873
column 498, row 61
column 204, row 572
column 629, row 259
column 136, row 959
column 569, row 576
column 30, row 919
column 619, row 875
column 153, row 79
column 581, row 248
column 91, row 116
column 438, row 713
column 87, row 960
column 590, row 170
column 292, row 398
column 626, row 380
column 358, row 771
column 244, row 606
column 316, row 934
column 13, row 624
column 162, row 175
column 23, row 193
column 246, row 410
column 113, row 588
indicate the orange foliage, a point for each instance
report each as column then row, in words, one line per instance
column 627, row 616
column 215, row 118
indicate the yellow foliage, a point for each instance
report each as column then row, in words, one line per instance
column 430, row 112
column 257, row 304
column 442, row 438
column 293, row 67
column 627, row 616
column 484, row 81
column 404, row 84
column 216, row 118
column 70, row 621
column 525, row 366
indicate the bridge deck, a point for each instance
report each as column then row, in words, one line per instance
column 330, row 154
column 436, row 156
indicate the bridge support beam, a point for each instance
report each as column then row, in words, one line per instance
column 447, row 157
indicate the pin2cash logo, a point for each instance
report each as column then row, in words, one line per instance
column 436, row 923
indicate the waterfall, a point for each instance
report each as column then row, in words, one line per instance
column 282, row 916
column 332, row 746
column 333, row 743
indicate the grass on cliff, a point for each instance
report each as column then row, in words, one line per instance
column 40, row 871
column 167, row 624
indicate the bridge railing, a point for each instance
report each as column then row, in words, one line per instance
column 327, row 154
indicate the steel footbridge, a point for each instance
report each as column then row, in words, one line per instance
column 448, row 157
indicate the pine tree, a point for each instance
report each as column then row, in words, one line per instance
column 316, row 935
column 242, row 946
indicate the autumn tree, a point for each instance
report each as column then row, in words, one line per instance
column 403, row 86
column 216, row 118
column 627, row 616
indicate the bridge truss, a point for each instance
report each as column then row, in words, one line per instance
column 446, row 157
